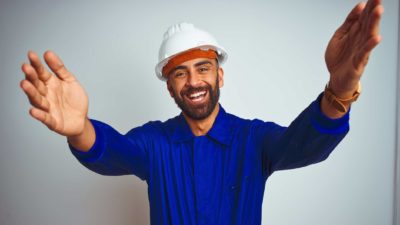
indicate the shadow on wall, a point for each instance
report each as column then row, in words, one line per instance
column 119, row 200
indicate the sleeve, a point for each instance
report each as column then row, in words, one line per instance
column 116, row 154
column 309, row 139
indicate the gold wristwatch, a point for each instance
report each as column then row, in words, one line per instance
column 339, row 103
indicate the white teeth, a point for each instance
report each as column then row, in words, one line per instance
column 197, row 94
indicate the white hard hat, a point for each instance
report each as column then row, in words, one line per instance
column 182, row 37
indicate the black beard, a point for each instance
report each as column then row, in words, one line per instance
column 203, row 111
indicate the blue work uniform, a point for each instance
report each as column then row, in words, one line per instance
column 218, row 178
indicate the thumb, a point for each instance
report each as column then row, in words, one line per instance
column 57, row 66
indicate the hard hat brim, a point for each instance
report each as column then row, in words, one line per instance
column 221, row 53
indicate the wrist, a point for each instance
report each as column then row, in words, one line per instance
column 344, row 90
column 335, row 106
column 330, row 111
column 84, row 140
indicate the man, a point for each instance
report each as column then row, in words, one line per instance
column 206, row 166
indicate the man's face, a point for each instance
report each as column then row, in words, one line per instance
column 194, row 85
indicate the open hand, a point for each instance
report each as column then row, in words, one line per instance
column 58, row 100
column 347, row 53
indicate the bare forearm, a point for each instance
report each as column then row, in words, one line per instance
column 85, row 140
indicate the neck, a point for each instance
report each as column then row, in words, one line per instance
column 201, row 127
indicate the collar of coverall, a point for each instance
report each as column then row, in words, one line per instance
column 188, row 55
column 221, row 131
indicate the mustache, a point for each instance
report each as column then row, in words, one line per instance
column 190, row 89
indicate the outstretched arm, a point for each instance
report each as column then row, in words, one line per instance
column 348, row 51
column 58, row 100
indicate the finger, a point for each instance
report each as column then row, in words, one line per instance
column 31, row 75
column 371, row 4
column 43, row 74
column 372, row 28
column 351, row 18
column 57, row 66
column 361, row 58
column 43, row 117
column 35, row 98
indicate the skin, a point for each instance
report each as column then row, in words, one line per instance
column 196, row 73
column 61, row 103
column 349, row 49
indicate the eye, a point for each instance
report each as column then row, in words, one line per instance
column 203, row 69
column 179, row 74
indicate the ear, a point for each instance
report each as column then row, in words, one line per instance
column 170, row 90
column 220, row 77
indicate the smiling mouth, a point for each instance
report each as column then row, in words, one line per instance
column 196, row 97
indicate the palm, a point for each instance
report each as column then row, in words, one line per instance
column 68, row 105
column 58, row 100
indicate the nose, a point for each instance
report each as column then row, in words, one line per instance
column 193, row 79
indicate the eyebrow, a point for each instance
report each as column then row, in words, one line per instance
column 202, row 63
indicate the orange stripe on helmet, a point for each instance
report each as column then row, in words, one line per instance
column 187, row 55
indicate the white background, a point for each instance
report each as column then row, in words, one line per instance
column 274, row 70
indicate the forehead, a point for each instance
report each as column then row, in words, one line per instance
column 196, row 62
